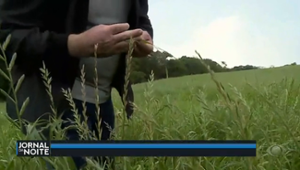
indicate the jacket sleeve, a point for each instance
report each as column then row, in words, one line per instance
column 144, row 21
column 33, row 45
column 28, row 40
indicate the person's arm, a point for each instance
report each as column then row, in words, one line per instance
column 34, row 45
column 144, row 21
column 23, row 22
column 143, row 49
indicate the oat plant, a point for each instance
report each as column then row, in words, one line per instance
column 213, row 106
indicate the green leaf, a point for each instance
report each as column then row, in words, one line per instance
column 6, row 95
column 6, row 42
column 24, row 105
column 4, row 75
column 12, row 62
column 1, row 57
column 19, row 83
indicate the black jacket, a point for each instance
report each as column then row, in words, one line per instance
column 39, row 32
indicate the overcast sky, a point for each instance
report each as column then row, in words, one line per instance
column 239, row 32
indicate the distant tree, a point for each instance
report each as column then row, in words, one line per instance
column 137, row 77
column 216, row 67
column 176, row 68
column 224, row 64
column 246, row 67
column 164, row 65
column 162, row 60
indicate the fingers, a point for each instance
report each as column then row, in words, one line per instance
column 147, row 49
column 121, row 47
column 123, row 36
column 118, row 28
column 143, row 49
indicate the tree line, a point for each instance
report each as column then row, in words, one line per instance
column 165, row 66
column 162, row 65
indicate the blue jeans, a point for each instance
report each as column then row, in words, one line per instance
column 107, row 117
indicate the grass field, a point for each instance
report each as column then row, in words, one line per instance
column 262, row 105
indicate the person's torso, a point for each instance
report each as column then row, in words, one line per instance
column 101, row 12
column 65, row 17
column 105, row 12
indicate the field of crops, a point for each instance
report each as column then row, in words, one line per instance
column 258, row 105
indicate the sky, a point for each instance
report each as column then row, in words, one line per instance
column 257, row 32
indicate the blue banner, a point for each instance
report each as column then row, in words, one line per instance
column 136, row 148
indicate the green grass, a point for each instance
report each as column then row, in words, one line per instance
column 262, row 105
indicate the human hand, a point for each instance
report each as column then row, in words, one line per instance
column 110, row 40
column 143, row 45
